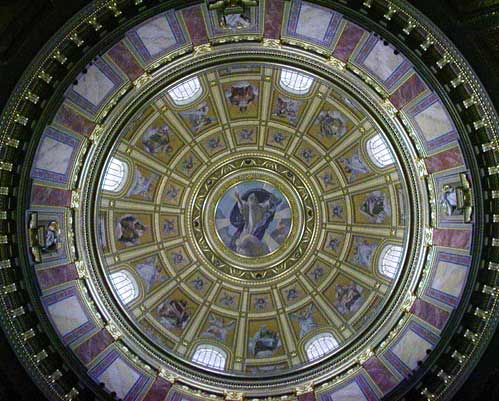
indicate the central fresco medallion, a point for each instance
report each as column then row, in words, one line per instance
column 253, row 218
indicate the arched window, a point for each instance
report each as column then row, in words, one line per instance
column 186, row 92
column 379, row 152
column 295, row 82
column 210, row 356
column 389, row 261
column 115, row 176
column 320, row 345
column 125, row 285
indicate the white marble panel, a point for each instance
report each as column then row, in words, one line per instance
column 351, row 392
column 94, row 85
column 411, row 348
column 449, row 278
column 382, row 61
column 434, row 121
column 67, row 315
column 156, row 35
column 53, row 156
column 313, row 21
column 119, row 377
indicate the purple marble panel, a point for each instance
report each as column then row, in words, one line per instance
column 447, row 159
column 411, row 88
column 452, row 238
column 124, row 59
column 92, row 347
column 158, row 390
column 69, row 118
column 194, row 21
column 430, row 313
column 306, row 396
column 347, row 42
column 56, row 275
column 50, row 196
column 273, row 18
column 380, row 375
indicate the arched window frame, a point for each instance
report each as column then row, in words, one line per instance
column 210, row 356
column 390, row 260
column 295, row 82
column 319, row 345
column 115, row 175
column 378, row 151
column 186, row 92
column 125, row 285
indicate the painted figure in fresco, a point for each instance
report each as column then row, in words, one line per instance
column 353, row 166
column 327, row 179
column 214, row 143
column 218, row 329
column 173, row 314
column 291, row 294
column 157, row 140
column 336, row 211
column 198, row 117
column 317, row 273
column 287, row 109
column 251, row 216
column 129, row 230
column 169, row 227
column 177, row 258
column 242, row 94
column 260, row 303
column 227, row 299
column 142, row 186
column 348, row 298
column 375, row 207
column 305, row 320
column 363, row 252
column 278, row 137
column 51, row 240
column 307, row 154
column 333, row 244
column 246, row 134
column 332, row 124
column 150, row 271
column 198, row 283
column 171, row 192
column 264, row 343
column 449, row 201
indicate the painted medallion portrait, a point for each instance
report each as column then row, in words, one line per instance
column 253, row 219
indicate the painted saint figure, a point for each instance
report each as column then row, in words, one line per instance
column 251, row 216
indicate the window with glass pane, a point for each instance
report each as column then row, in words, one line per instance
column 186, row 92
column 389, row 261
column 320, row 345
column 125, row 285
column 379, row 152
column 210, row 356
column 295, row 82
column 115, row 176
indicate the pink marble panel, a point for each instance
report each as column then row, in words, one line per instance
column 92, row 347
column 194, row 21
column 273, row 18
column 380, row 375
column 50, row 196
column 124, row 59
column 452, row 238
column 430, row 313
column 445, row 160
column 69, row 118
column 56, row 275
column 158, row 390
column 349, row 39
column 411, row 88
column 306, row 397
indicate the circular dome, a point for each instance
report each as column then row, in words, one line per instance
column 254, row 219
column 249, row 199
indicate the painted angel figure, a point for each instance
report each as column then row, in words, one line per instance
column 305, row 319
column 251, row 216
column 218, row 329
column 242, row 94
